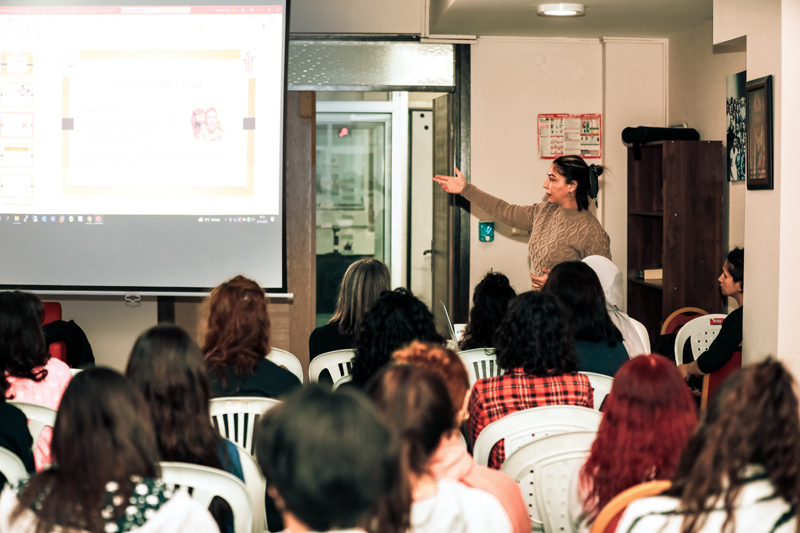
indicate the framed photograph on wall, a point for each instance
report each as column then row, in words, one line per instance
column 759, row 133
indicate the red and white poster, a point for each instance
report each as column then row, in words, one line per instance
column 565, row 134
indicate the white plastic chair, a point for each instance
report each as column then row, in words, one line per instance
column 543, row 469
column 481, row 363
column 337, row 363
column 39, row 417
column 206, row 483
column 12, row 467
column 702, row 331
column 235, row 418
column 75, row 371
column 341, row 381
column 256, row 486
column 528, row 425
column 602, row 386
column 287, row 361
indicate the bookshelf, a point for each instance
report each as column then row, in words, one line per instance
column 675, row 223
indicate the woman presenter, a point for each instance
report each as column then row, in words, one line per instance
column 561, row 229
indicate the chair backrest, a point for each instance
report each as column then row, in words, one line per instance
column 75, row 371
column 342, row 380
column 702, row 331
column 12, row 467
column 602, row 386
column 481, row 363
column 206, row 483
column 644, row 336
column 39, row 417
column 613, row 510
column 256, row 486
column 337, row 362
column 522, row 427
column 287, row 361
column 236, row 417
column 680, row 317
column 714, row 379
column 543, row 469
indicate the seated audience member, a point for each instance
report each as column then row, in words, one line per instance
column 416, row 404
column 167, row 368
column 106, row 473
column 235, row 331
column 330, row 460
column 649, row 416
column 14, row 434
column 611, row 280
column 740, row 471
column 598, row 342
column 396, row 319
column 451, row 459
column 32, row 375
column 731, row 283
column 489, row 304
column 362, row 284
column 534, row 348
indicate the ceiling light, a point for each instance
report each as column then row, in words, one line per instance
column 561, row 10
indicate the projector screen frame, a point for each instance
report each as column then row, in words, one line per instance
column 280, row 292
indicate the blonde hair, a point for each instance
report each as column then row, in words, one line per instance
column 362, row 284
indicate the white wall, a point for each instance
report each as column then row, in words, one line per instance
column 356, row 16
column 771, row 217
column 697, row 96
column 513, row 80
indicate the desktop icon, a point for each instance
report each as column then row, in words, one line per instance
column 16, row 218
column 71, row 218
column 52, row 218
column 61, row 218
column 88, row 219
column 80, row 218
column 34, row 218
column 44, row 218
column 98, row 219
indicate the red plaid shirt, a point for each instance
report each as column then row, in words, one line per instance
column 494, row 398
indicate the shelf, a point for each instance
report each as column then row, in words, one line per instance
column 653, row 283
column 651, row 214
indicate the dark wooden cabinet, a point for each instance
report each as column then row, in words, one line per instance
column 675, row 223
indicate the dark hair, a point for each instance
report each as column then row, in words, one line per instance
column 579, row 289
column 753, row 419
column 416, row 405
column 362, row 284
column 647, row 419
column 396, row 319
column 235, row 327
column 574, row 168
column 736, row 265
column 166, row 366
column 329, row 456
column 535, row 336
column 444, row 363
column 22, row 345
column 102, row 433
column 490, row 303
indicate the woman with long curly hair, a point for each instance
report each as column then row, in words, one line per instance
column 489, row 305
column 534, row 348
column 235, row 330
column 166, row 366
column 106, row 477
column 396, row 319
column 31, row 375
column 416, row 405
column 598, row 342
column 648, row 419
column 741, row 469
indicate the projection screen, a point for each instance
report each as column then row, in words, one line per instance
column 141, row 146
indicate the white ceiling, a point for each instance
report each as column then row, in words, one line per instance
column 604, row 18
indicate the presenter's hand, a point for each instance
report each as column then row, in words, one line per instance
column 537, row 282
column 452, row 184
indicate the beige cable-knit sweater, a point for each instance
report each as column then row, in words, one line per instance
column 557, row 234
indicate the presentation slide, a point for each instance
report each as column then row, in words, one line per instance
column 141, row 146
